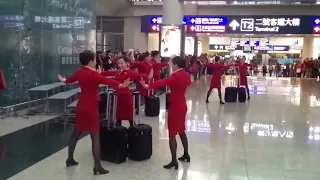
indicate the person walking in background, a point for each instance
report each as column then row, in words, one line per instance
column 3, row 86
column 299, row 69
column 270, row 70
column 194, row 67
column 178, row 83
column 278, row 70
column 264, row 70
column 87, row 110
column 125, row 97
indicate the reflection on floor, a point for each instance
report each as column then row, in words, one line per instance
column 274, row 136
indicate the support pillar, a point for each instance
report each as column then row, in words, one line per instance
column 196, row 49
column 307, row 47
column 172, row 31
column 205, row 43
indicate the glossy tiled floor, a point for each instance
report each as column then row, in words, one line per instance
column 275, row 136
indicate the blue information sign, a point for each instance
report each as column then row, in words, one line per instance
column 270, row 24
column 158, row 20
column 316, row 21
column 281, row 24
column 206, row 20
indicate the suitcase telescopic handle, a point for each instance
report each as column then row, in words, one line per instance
column 112, row 94
column 152, row 90
column 136, row 93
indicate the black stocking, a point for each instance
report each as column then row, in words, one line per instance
column 184, row 141
column 95, row 138
column 220, row 95
column 248, row 93
column 173, row 148
column 72, row 144
column 208, row 94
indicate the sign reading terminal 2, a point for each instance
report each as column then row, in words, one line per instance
column 241, row 24
column 268, row 25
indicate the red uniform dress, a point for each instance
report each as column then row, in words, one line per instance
column 143, row 67
column 217, row 73
column 178, row 83
column 87, row 110
column 243, row 72
column 157, row 68
column 125, row 97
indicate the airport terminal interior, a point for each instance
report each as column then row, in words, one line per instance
column 273, row 136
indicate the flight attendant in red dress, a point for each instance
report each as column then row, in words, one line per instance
column 157, row 65
column 87, row 110
column 144, row 67
column 178, row 83
column 243, row 66
column 125, row 97
column 216, row 78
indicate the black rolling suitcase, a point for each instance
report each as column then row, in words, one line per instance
column 140, row 140
column 231, row 92
column 242, row 94
column 113, row 139
column 152, row 105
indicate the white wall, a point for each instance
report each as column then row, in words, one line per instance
column 153, row 41
column 133, row 38
column 289, row 41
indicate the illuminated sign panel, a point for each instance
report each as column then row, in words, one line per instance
column 316, row 25
column 206, row 29
column 61, row 22
column 159, row 20
column 270, row 24
column 241, row 24
column 206, row 20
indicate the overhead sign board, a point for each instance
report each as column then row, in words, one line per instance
column 270, row 24
column 206, row 20
column 316, row 25
column 159, row 20
column 206, row 29
column 241, row 24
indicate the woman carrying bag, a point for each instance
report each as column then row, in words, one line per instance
column 3, row 86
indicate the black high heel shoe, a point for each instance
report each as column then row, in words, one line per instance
column 221, row 102
column 185, row 158
column 97, row 171
column 71, row 162
column 171, row 165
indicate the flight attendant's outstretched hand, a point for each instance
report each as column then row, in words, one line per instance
column 125, row 84
column 143, row 84
column 61, row 78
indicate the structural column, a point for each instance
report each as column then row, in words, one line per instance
column 205, row 43
column 307, row 47
column 172, row 34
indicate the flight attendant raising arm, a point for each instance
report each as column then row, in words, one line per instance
column 125, row 99
column 178, row 83
column 87, row 110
